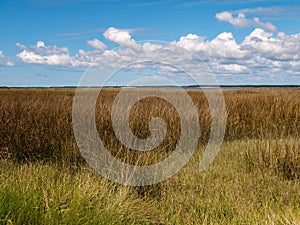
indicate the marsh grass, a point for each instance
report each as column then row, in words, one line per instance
column 51, row 194
column 226, row 193
column 254, row 179
column 36, row 124
column 281, row 156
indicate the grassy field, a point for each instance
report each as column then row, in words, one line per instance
column 255, row 178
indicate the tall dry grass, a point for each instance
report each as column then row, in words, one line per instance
column 36, row 124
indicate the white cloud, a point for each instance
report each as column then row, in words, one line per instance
column 7, row 63
column 192, row 42
column 260, row 54
column 119, row 36
column 20, row 46
column 150, row 47
column 235, row 68
column 223, row 46
column 40, row 44
column 239, row 21
column 267, row 26
column 97, row 44
column 258, row 34
column 281, row 47
column 86, row 59
column 4, row 61
column 42, row 54
column 54, row 59
column 242, row 21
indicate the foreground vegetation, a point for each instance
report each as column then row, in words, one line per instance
column 255, row 178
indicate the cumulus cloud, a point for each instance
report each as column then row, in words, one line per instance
column 223, row 46
column 241, row 21
column 42, row 54
column 119, row 36
column 192, row 42
column 260, row 54
column 97, row 44
column 281, row 47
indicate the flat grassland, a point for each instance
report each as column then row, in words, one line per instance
column 255, row 178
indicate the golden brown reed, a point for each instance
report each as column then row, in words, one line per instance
column 37, row 123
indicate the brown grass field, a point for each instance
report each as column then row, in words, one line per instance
column 255, row 178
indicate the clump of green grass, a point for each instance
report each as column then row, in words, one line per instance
column 50, row 194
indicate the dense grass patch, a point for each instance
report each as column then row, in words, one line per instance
column 253, row 180
column 227, row 193
column 42, row 193
column 36, row 124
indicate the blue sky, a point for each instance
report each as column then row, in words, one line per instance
column 51, row 43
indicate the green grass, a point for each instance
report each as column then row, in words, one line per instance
column 50, row 194
column 237, row 189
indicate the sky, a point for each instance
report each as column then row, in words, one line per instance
column 53, row 43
